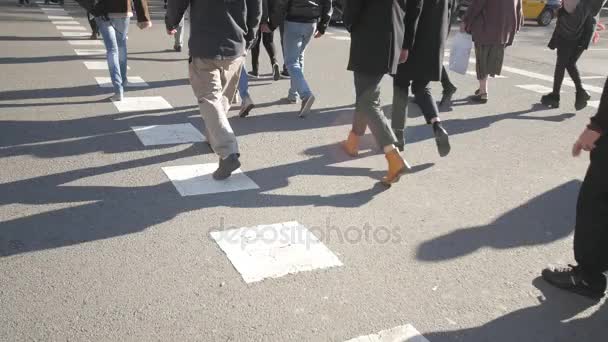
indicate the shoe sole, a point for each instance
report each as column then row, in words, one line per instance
column 306, row 106
column 245, row 112
column 443, row 144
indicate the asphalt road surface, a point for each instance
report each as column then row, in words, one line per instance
column 111, row 229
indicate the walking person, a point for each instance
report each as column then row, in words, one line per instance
column 94, row 29
column 303, row 19
column 112, row 18
column 220, row 38
column 247, row 103
column 426, row 29
column 588, row 277
column 266, row 37
column 378, row 26
column 449, row 89
column 576, row 24
column 178, row 37
column 493, row 24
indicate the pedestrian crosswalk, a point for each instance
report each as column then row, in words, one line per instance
column 168, row 134
column 196, row 180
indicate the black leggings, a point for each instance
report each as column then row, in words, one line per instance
column 567, row 56
column 268, row 40
column 424, row 99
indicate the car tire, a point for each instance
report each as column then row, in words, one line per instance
column 545, row 18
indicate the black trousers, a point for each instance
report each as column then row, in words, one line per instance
column 424, row 99
column 268, row 40
column 446, row 83
column 591, row 232
column 568, row 53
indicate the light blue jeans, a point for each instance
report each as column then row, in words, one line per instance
column 114, row 33
column 296, row 38
column 244, row 83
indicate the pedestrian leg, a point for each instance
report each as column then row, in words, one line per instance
column 426, row 102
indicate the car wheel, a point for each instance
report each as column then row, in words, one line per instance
column 545, row 18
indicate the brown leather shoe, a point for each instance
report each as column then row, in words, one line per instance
column 397, row 166
column 351, row 145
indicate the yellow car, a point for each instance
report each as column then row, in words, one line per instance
column 543, row 11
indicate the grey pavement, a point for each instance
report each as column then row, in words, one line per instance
column 97, row 243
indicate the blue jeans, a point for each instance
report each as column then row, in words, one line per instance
column 244, row 83
column 296, row 38
column 114, row 33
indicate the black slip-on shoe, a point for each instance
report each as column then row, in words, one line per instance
column 226, row 167
column 570, row 278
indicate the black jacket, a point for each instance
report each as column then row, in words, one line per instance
column 599, row 122
column 300, row 11
column 426, row 30
column 578, row 26
column 376, row 28
column 219, row 29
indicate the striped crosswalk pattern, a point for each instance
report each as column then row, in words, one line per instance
column 404, row 333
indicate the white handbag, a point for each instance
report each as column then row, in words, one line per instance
column 461, row 52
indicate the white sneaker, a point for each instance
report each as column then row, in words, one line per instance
column 246, row 106
column 116, row 98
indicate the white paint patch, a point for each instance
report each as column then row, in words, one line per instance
column 340, row 38
column 85, row 42
column 168, row 134
column 90, row 52
column 550, row 78
column 474, row 73
column 272, row 251
column 135, row 104
column 132, row 82
column 537, row 88
column 404, row 333
column 98, row 65
column 75, row 28
column 60, row 17
column 193, row 180
column 66, row 22
column 57, row 11
column 594, row 104
column 75, row 34
column 593, row 77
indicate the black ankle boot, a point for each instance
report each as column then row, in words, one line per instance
column 550, row 100
column 582, row 97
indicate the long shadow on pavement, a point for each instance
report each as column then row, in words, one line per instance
column 550, row 320
column 544, row 219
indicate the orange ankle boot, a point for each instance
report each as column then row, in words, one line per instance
column 397, row 166
column 351, row 145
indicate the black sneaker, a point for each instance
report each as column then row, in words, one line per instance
column 276, row 72
column 285, row 72
column 570, row 278
column 177, row 48
column 446, row 99
column 254, row 74
column 550, row 100
column 441, row 139
column 582, row 97
column 226, row 167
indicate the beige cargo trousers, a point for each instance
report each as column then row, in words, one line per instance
column 215, row 82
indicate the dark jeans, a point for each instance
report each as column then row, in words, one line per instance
column 591, row 232
column 268, row 40
column 424, row 99
column 368, row 111
column 567, row 56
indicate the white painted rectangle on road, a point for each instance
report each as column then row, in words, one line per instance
column 594, row 104
column 85, row 42
column 537, row 88
column 593, row 77
column 168, row 134
column 132, row 82
column 340, row 38
column 273, row 251
column 550, row 78
column 98, row 65
column 65, row 22
column 75, row 34
column 135, row 104
column 60, row 17
column 75, row 28
column 474, row 73
column 90, row 52
column 193, row 180
column 404, row 333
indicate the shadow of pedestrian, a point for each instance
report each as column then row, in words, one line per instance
column 550, row 320
column 544, row 219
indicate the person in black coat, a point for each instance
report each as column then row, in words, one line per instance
column 588, row 278
column 376, row 28
column 426, row 29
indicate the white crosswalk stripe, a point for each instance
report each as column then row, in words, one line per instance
column 404, row 333
column 193, row 180
column 168, row 134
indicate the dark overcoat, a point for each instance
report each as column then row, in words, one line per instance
column 426, row 30
column 376, row 28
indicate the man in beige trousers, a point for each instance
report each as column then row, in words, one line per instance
column 221, row 33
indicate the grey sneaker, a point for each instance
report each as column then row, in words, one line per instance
column 117, row 98
column 246, row 106
column 306, row 106
column 226, row 167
